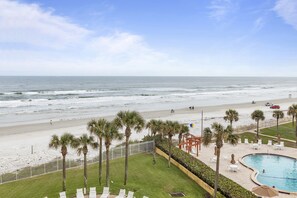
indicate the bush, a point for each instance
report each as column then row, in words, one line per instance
column 226, row 187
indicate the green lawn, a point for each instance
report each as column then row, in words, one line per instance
column 286, row 131
column 251, row 137
column 144, row 179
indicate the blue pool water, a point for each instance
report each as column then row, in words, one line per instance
column 280, row 171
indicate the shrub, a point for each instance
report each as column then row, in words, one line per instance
column 226, row 187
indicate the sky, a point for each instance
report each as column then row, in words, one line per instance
column 148, row 37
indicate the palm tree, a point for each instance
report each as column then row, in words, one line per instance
column 292, row 113
column 97, row 128
column 258, row 115
column 110, row 133
column 231, row 116
column 62, row 142
column 218, row 133
column 278, row 114
column 81, row 144
column 130, row 120
column 155, row 126
column 184, row 129
column 170, row 129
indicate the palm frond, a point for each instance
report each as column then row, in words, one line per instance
column 207, row 136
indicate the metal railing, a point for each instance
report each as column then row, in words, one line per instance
column 56, row 165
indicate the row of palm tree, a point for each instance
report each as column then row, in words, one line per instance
column 258, row 115
column 108, row 131
column 80, row 144
column 169, row 129
column 104, row 130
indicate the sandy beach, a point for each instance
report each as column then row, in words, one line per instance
column 16, row 141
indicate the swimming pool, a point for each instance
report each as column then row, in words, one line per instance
column 279, row 171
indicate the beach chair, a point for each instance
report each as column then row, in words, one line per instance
column 145, row 197
column 130, row 194
column 260, row 141
column 93, row 192
column 246, row 141
column 239, row 141
column 122, row 193
column 62, row 194
column 269, row 143
column 105, row 192
column 282, row 145
column 79, row 193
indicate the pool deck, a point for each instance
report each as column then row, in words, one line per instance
column 243, row 176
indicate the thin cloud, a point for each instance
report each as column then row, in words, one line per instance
column 219, row 9
column 287, row 10
column 258, row 24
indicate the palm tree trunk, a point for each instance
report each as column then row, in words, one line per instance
column 126, row 160
column 217, row 172
column 169, row 155
column 85, row 171
column 154, row 151
column 257, row 130
column 293, row 117
column 231, row 123
column 277, row 124
column 107, row 167
column 64, row 173
column 100, row 160
column 296, row 130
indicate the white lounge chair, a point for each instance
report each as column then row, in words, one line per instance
column 282, row 145
column 269, row 143
column 62, row 194
column 122, row 193
column 79, row 193
column 130, row 194
column 233, row 167
column 260, row 141
column 279, row 146
column 239, row 140
column 105, row 192
column 255, row 146
column 246, row 141
column 145, row 197
column 93, row 192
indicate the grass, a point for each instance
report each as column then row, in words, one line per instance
column 251, row 137
column 144, row 178
column 286, row 131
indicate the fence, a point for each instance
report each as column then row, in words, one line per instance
column 56, row 165
column 262, row 124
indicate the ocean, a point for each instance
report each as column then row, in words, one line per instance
column 38, row 99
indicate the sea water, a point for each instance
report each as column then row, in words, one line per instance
column 31, row 99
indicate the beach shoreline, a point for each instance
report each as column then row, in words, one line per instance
column 60, row 124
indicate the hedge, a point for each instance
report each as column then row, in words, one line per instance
column 226, row 187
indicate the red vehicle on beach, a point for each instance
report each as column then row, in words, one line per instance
column 274, row 107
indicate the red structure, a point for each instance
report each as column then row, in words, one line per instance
column 189, row 141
